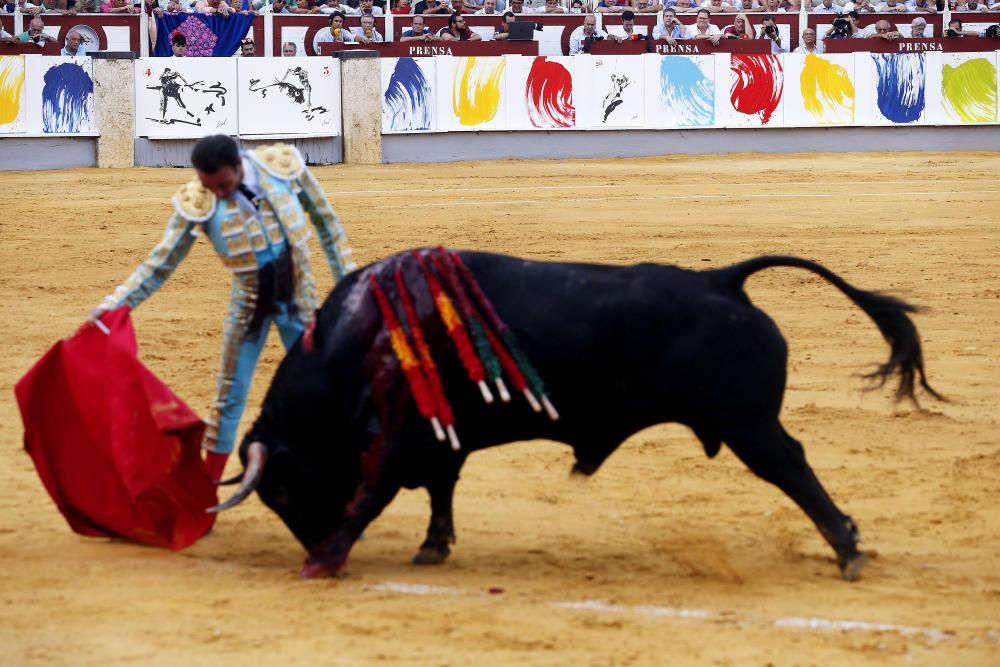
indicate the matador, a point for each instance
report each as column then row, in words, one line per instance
column 252, row 207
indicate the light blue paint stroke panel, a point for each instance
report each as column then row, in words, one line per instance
column 680, row 91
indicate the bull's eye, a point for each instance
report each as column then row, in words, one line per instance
column 280, row 496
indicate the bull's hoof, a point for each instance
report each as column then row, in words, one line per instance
column 315, row 569
column 850, row 568
column 431, row 555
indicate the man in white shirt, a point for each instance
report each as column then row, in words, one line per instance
column 336, row 32
column 550, row 7
column 367, row 34
column 703, row 29
column 827, row 7
column 588, row 31
column 489, row 7
column 768, row 30
column 809, row 44
column 368, row 8
column 332, row 6
column 890, row 6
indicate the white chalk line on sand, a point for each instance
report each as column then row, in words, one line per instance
column 735, row 196
column 758, row 621
column 603, row 186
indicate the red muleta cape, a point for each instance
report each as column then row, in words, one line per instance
column 118, row 452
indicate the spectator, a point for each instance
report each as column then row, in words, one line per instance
column 890, row 6
column 516, row 6
column 332, row 6
column 307, row 7
column 368, row 33
column 740, row 29
column 647, row 7
column 179, row 44
column 289, row 50
column 612, row 6
column 35, row 33
column 685, row 6
column 403, row 8
column 769, row 30
column 247, row 48
column 368, row 8
column 336, row 32
column 860, row 6
column 703, row 28
column 219, row 7
column 456, row 30
column 628, row 28
column 281, row 7
column 503, row 30
column 747, row 6
column 551, row 7
column 418, row 32
column 809, row 44
column 882, row 30
column 791, row 7
column 926, row 6
column 828, row 7
column 489, row 7
column 430, row 7
column 7, row 38
column 955, row 30
column 118, row 7
column 169, row 6
column 580, row 39
column 51, row 7
column 86, row 7
column 74, row 45
column 770, row 6
column 718, row 7
column 917, row 27
column 670, row 30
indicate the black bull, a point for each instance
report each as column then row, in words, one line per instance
column 620, row 348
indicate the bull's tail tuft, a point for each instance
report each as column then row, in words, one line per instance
column 889, row 313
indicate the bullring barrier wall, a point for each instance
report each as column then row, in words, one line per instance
column 362, row 109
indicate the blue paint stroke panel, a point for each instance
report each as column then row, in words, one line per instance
column 686, row 93
column 408, row 104
column 66, row 99
column 901, row 83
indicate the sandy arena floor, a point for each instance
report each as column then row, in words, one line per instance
column 664, row 557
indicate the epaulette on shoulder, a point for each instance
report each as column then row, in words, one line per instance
column 194, row 202
column 279, row 160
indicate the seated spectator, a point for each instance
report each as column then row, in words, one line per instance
column 74, row 45
column 368, row 8
column 118, row 7
column 336, row 32
column 247, row 48
column 703, row 28
column 771, row 6
column 670, row 29
column 769, row 30
column 917, row 27
column 685, row 6
column 308, row 7
column 551, row 7
column 418, row 32
column 647, row 6
column 404, row 8
column 955, row 29
column 791, row 7
column 860, row 6
column 718, row 7
column 809, row 43
column 740, row 29
column 7, row 38
column 86, row 7
column 289, row 50
column 612, row 6
column 219, row 7
column 368, row 34
column 883, row 30
column 489, row 7
column 456, row 30
column 169, row 7
column 35, row 33
column 503, row 30
column 828, row 7
column 427, row 7
column 50, row 7
column 516, row 6
column 628, row 33
column 890, row 6
column 747, row 6
column 280, row 7
column 178, row 44
column 581, row 38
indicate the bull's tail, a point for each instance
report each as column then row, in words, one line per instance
column 888, row 312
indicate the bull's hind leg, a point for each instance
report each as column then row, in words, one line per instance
column 778, row 458
column 441, row 531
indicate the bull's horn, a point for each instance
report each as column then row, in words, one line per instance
column 235, row 479
column 256, row 458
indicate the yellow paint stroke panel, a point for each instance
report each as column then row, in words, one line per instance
column 827, row 91
column 11, row 83
column 476, row 90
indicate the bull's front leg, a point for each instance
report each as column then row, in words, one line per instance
column 441, row 531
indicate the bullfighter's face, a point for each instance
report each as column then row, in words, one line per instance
column 223, row 182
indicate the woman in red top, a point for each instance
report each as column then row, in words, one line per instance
column 402, row 7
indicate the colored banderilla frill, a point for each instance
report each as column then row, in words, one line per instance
column 523, row 375
column 431, row 375
column 407, row 360
column 456, row 330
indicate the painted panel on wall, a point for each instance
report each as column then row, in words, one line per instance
column 890, row 88
column 408, row 94
column 185, row 97
column 540, row 93
column 289, row 96
column 749, row 90
column 471, row 93
column 962, row 88
column 679, row 91
column 616, row 92
column 60, row 96
column 819, row 89
column 11, row 94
